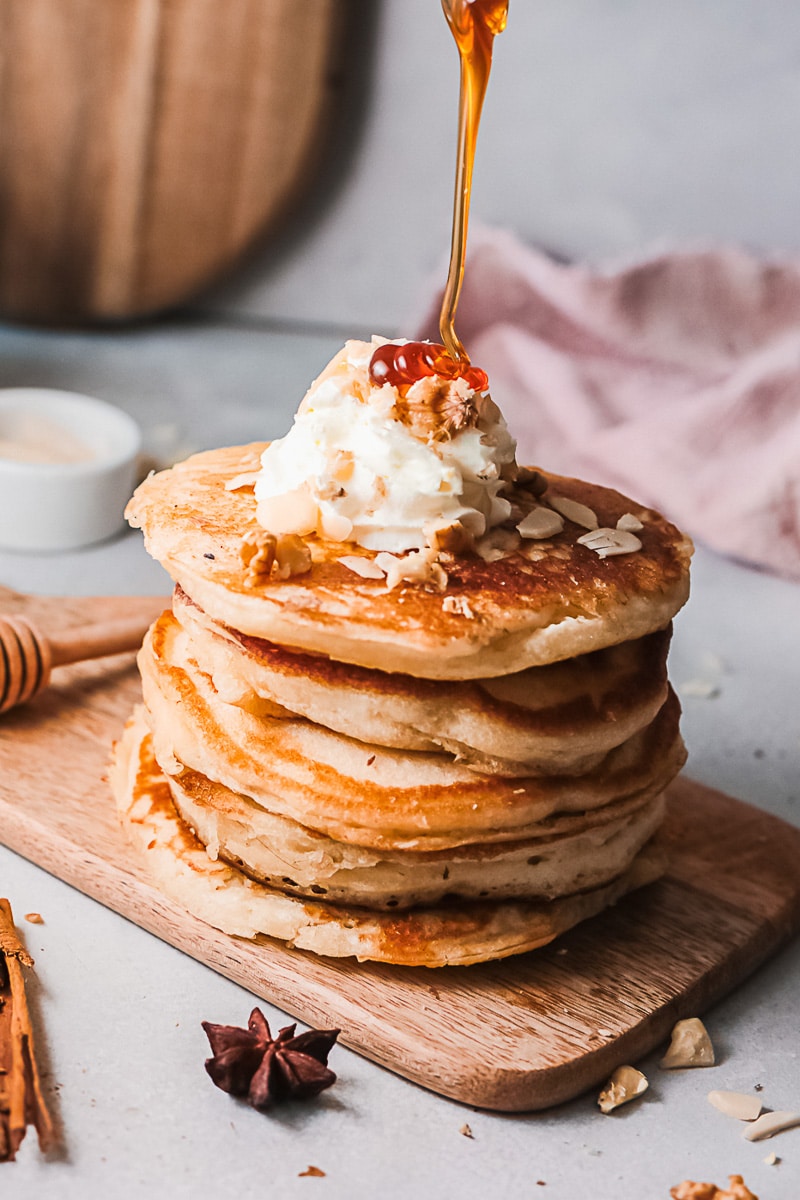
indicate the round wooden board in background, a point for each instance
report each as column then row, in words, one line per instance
column 146, row 144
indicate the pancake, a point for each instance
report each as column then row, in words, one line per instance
column 558, row 719
column 544, row 601
column 286, row 856
column 227, row 899
column 371, row 796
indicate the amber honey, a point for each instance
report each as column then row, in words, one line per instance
column 475, row 24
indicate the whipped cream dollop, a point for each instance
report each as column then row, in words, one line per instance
column 384, row 468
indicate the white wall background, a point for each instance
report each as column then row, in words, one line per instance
column 610, row 125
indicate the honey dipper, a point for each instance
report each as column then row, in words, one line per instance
column 27, row 656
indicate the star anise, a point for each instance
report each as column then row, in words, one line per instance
column 264, row 1070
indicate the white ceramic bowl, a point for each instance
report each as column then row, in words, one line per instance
column 67, row 468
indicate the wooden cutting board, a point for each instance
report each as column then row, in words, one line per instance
column 517, row 1035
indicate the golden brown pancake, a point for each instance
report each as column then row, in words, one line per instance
column 547, row 601
column 591, row 850
column 227, row 899
column 368, row 795
column 559, row 719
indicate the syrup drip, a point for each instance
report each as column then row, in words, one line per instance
column 474, row 24
column 404, row 364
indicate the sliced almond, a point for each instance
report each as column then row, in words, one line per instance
column 608, row 542
column 772, row 1159
column 630, row 523
column 771, row 1123
column 736, row 1104
column 367, row 568
column 690, row 1046
column 293, row 512
column 335, row 526
column 246, row 480
column 541, row 522
column 458, row 605
column 580, row 514
column 624, row 1085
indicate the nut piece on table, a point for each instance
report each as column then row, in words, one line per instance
column 690, row 1046
column 736, row 1104
column 737, row 1189
column 625, row 1084
column 771, row 1123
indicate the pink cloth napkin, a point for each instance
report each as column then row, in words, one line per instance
column 676, row 380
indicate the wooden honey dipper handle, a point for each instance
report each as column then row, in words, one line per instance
column 95, row 641
column 27, row 656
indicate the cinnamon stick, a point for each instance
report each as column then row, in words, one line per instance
column 21, row 1100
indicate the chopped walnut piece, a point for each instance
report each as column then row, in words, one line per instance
column 435, row 409
column 292, row 556
column 625, row 1084
column 736, row 1190
column 420, row 566
column 690, row 1046
column 263, row 554
column 466, row 1131
column 257, row 553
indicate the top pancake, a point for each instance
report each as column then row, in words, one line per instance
column 547, row 601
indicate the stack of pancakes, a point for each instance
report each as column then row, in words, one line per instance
column 411, row 775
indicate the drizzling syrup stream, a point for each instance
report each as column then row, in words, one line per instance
column 475, row 24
